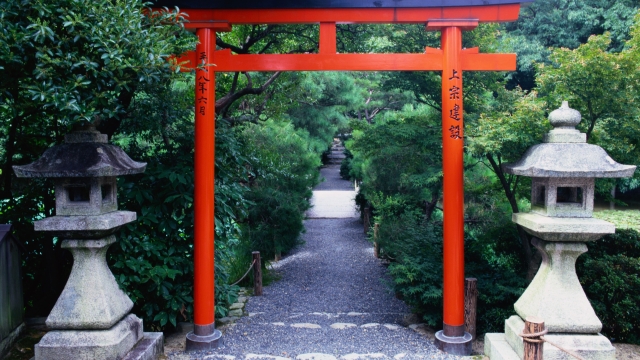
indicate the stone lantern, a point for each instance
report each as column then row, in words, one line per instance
column 563, row 171
column 91, row 318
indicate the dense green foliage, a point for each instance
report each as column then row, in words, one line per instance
column 610, row 275
column 283, row 173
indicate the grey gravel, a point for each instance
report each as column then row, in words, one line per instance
column 332, row 180
column 331, row 278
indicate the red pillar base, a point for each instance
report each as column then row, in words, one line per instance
column 454, row 340
column 203, row 337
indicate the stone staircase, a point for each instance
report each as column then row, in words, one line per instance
column 337, row 153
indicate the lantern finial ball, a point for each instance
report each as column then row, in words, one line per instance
column 565, row 117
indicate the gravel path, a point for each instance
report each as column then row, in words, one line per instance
column 332, row 301
column 332, row 180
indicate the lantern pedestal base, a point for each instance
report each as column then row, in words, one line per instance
column 125, row 340
column 454, row 345
column 509, row 346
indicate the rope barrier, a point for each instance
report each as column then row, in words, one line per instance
column 245, row 274
column 529, row 338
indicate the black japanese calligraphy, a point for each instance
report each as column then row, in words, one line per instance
column 202, row 84
column 455, row 112
column 455, row 75
column 454, row 93
column 455, row 132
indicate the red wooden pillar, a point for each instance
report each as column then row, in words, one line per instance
column 204, row 334
column 453, row 338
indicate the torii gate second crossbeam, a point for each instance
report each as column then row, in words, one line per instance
column 450, row 17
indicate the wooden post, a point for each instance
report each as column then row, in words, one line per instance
column 257, row 274
column 376, row 247
column 470, row 306
column 533, row 346
column 366, row 220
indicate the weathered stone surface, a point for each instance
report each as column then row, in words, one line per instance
column 563, row 229
column 91, row 299
column 555, row 294
column 391, row 326
column 149, row 348
column 568, row 160
column 81, row 160
column 341, row 326
column 85, row 227
column 545, row 200
column 565, row 136
column 497, row 348
column 86, row 196
column 369, row 325
column 236, row 313
column 565, row 117
column 235, row 306
column 589, row 346
column 113, row 343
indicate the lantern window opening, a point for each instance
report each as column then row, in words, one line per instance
column 78, row 193
column 569, row 196
column 107, row 193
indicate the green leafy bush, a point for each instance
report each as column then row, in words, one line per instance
column 610, row 275
column 415, row 245
column 283, row 172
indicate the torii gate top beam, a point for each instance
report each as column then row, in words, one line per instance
column 345, row 11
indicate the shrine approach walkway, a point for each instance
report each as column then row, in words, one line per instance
column 333, row 298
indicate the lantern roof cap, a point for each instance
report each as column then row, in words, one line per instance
column 85, row 153
column 566, row 153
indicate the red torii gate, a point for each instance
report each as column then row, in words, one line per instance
column 451, row 17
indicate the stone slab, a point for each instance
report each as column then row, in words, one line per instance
column 149, row 348
column 7, row 343
column 563, row 229
column 109, row 344
column 590, row 347
column 82, row 227
column 497, row 348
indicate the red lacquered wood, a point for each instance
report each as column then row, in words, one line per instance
column 489, row 13
column 453, row 188
column 225, row 61
column 328, row 38
column 431, row 60
column 218, row 26
column 204, row 198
